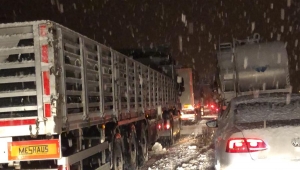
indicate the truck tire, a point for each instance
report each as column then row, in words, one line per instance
column 143, row 145
column 117, row 159
column 178, row 135
column 171, row 138
column 180, row 125
column 132, row 150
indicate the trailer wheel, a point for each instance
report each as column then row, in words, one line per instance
column 132, row 150
column 178, row 135
column 143, row 146
column 117, row 161
column 180, row 124
column 171, row 138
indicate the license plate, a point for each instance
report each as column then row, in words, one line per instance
column 34, row 150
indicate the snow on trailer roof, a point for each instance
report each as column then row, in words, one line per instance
column 23, row 23
column 266, row 97
column 26, row 23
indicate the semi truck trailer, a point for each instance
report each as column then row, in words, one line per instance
column 68, row 102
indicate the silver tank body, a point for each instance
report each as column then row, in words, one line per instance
column 262, row 66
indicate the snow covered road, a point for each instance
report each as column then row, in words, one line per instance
column 191, row 152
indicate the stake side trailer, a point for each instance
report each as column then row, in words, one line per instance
column 68, row 102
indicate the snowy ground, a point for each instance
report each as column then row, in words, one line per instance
column 191, row 152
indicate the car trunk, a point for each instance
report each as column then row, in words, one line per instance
column 281, row 137
column 276, row 122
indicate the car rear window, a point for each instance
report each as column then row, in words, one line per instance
column 264, row 111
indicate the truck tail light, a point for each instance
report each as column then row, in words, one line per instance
column 244, row 145
column 61, row 167
column 159, row 126
column 167, row 126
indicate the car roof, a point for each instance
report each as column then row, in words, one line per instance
column 266, row 97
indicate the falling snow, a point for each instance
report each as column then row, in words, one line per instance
column 282, row 14
column 252, row 26
column 192, row 30
column 289, row 2
column 245, row 62
column 282, row 28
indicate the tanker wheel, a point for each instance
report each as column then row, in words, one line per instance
column 118, row 161
column 132, row 150
column 143, row 146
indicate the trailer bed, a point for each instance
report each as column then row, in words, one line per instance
column 53, row 79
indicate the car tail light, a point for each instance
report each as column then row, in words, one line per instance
column 212, row 106
column 242, row 145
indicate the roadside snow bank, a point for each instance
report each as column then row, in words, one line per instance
column 179, row 157
column 157, row 148
column 203, row 161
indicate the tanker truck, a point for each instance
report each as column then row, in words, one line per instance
column 251, row 67
column 68, row 102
